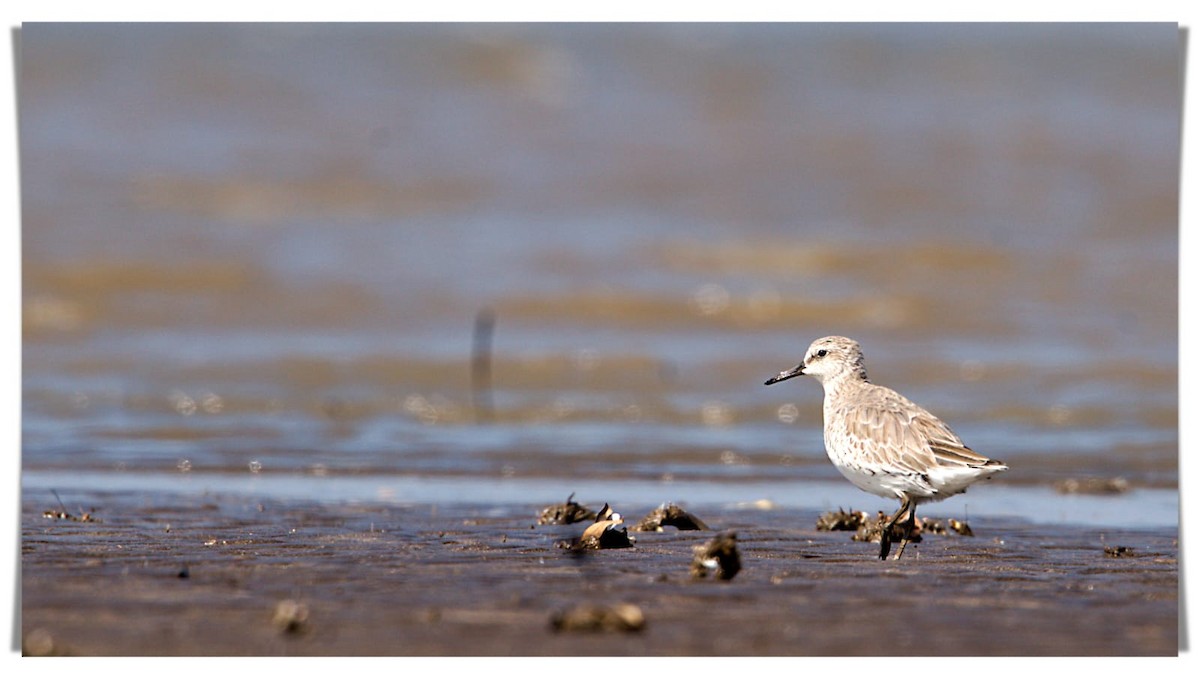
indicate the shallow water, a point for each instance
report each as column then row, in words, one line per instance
column 267, row 246
column 1137, row 509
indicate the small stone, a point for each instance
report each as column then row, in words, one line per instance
column 291, row 617
column 39, row 642
column 621, row 617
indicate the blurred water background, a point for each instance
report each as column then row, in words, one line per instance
column 261, row 255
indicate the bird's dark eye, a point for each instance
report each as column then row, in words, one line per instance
column 821, row 353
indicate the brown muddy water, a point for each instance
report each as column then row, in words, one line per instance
column 416, row 275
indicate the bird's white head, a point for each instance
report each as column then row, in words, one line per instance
column 828, row 359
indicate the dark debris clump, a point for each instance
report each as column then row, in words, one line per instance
column 961, row 528
column 566, row 513
column 868, row 529
column 63, row 515
column 933, row 526
column 719, row 557
column 669, row 514
column 871, row 530
column 607, row 532
column 943, row 527
column 841, row 520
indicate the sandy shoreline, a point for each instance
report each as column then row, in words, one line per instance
column 207, row 575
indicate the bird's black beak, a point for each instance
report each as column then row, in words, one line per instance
column 786, row 374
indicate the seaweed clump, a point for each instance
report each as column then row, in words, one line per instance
column 566, row 513
column 669, row 514
column 841, row 520
column 718, row 557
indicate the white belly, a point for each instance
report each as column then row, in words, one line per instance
column 878, row 480
column 881, row 483
column 938, row 483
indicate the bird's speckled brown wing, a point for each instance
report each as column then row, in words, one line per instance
column 891, row 432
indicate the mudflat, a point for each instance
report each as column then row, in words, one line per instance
column 214, row 575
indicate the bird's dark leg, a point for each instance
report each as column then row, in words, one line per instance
column 908, row 530
column 885, row 535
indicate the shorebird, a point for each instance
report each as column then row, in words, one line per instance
column 884, row 443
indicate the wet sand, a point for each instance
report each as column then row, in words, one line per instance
column 176, row 575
